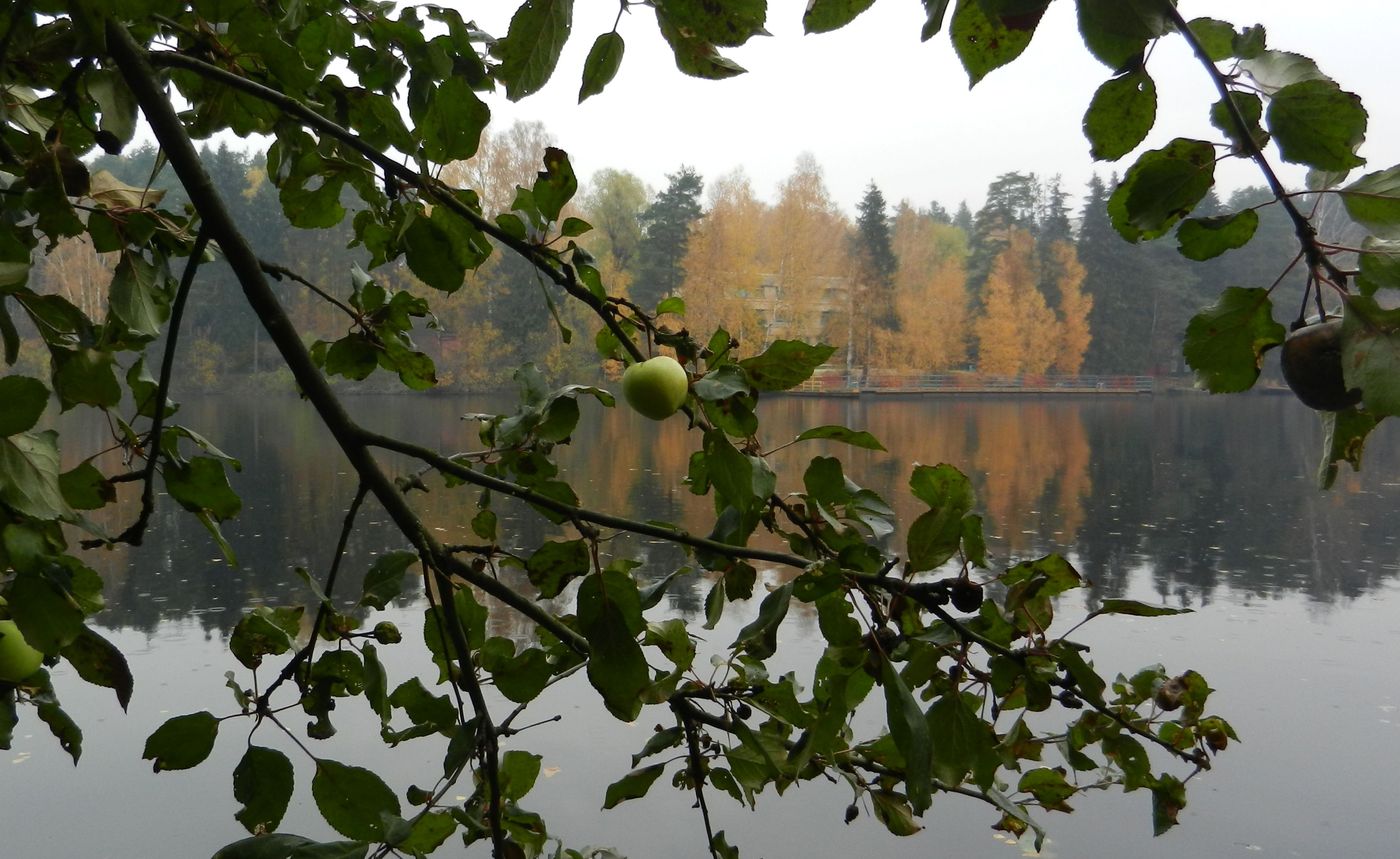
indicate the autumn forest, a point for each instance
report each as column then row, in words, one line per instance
column 1034, row 282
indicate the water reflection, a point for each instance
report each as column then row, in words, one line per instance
column 1194, row 493
column 1193, row 500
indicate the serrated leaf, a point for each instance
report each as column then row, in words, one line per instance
column 530, row 50
column 1343, row 440
column 281, row 845
column 1161, row 188
column 1217, row 37
column 384, row 581
column 604, row 59
column 352, row 799
column 786, row 364
column 100, row 663
column 201, row 485
column 1120, row 115
column 1380, row 265
column 1251, row 110
column 634, row 785
column 452, row 122
column 556, row 563
column 855, row 438
column 759, row 638
column 1371, row 354
column 1206, row 238
column 984, row 43
column 262, row 782
column 1374, row 202
column 182, row 742
column 1318, row 124
column 1274, row 70
column 137, row 297
column 29, row 476
column 1117, row 31
column 610, row 618
column 1225, row 343
column 823, row 16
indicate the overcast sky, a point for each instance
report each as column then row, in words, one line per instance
column 873, row 103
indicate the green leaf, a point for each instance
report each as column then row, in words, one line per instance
column 1049, row 788
column 634, row 785
column 201, row 485
column 25, row 400
column 823, row 16
column 666, row 738
column 984, row 43
column 519, row 770
column 1380, row 265
column 556, row 563
column 262, row 782
column 610, row 618
column 100, row 663
column 530, row 50
column 1161, row 188
column 353, row 356
column 47, row 608
column 1251, row 109
column 1343, row 440
column 265, row 631
column 910, row 730
column 1117, row 31
column 429, row 833
column 959, row 739
column 1206, row 238
column 604, row 59
column 520, row 677
column 727, row 23
column 136, row 296
column 1373, row 201
column 1120, row 115
column 85, row 377
column 29, row 477
column 855, row 438
column 62, row 726
column 352, row 799
column 934, row 11
column 182, row 742
column 893, row 810
column 1133, row 608
column 1318, row 124
column 86, row 488
column 555, row 185
column 1168, row 799
column 384, row 581
column 935, row 536
column 759, row 638
column 1225, row 343
column 785, row 364
column 453, row 121
column 1217, row 38
column 281, row 845
column 1274, row 70
column 1371, row 354
column 695, row 55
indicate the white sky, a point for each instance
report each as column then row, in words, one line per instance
column 873, row 103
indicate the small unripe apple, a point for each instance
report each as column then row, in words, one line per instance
column 1312, row 366
column 17, row 659
column 655, row 388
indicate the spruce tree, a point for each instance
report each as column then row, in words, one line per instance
column 665, row 237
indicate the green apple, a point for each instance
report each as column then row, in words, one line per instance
column 17, row 659
column 656, row 388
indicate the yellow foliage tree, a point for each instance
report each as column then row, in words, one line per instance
column 931, row 298
column 803, row 249
column 1017, row 331
column 723, row 275
column 1075, row 305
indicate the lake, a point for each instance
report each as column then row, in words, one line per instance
column 1186, row 500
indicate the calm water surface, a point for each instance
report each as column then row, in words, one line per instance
column 1191, row 501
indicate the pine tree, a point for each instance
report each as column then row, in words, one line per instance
column 875, row 262
column 665, row 234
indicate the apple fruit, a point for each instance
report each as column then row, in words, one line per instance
column 1312, row 366
column 17, row 659
column 656, row 388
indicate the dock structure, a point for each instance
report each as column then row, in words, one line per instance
column 837, row 383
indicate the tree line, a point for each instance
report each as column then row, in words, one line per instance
column 1030, row 283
